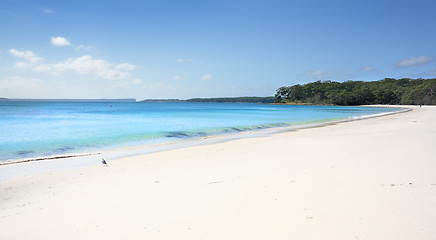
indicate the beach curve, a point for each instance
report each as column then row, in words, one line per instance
column 370, row 179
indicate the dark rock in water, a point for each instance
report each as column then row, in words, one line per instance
column 177, row 135
column 181, row 134
column 201, row 134
column 230, row 130
column 24, row 153
column 64, row 149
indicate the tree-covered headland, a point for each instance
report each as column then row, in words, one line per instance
column 403, row 91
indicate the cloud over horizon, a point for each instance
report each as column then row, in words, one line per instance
column 83, row 65
column 60, row 41
column 27, row 55
column 414, row 61
column 87, row 64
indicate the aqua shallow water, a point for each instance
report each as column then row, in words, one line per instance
column 37, row 129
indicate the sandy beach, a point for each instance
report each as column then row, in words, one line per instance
column 366, row 179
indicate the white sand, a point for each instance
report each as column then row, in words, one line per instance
column 367, row 179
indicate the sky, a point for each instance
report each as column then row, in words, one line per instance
column 155, row 49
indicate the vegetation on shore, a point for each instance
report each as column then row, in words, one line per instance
column 403, row 91
column 392, row 91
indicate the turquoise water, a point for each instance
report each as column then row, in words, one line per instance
column 36, row 129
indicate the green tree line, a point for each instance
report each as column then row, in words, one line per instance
column 403, row 91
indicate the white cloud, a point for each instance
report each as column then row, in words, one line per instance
column 414, row 61
column 60, row 41
column 83, row 65
column 28, row 55
column 86, row 64
column 125, row 66
column 366, row 69
column 206, row 77
column 177, row 77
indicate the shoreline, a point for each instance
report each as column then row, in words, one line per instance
column 116, row 153
column 371, row 179
column 63, row 147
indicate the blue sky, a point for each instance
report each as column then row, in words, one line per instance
column 184, row 49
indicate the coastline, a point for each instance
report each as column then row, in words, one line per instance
column 107, row 130
column 369, row 179
column 86, row 159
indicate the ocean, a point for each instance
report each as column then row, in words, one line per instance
column 45, row 129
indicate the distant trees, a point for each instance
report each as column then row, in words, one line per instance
column 387, row 91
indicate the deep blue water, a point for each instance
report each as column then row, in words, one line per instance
column 35, row 129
